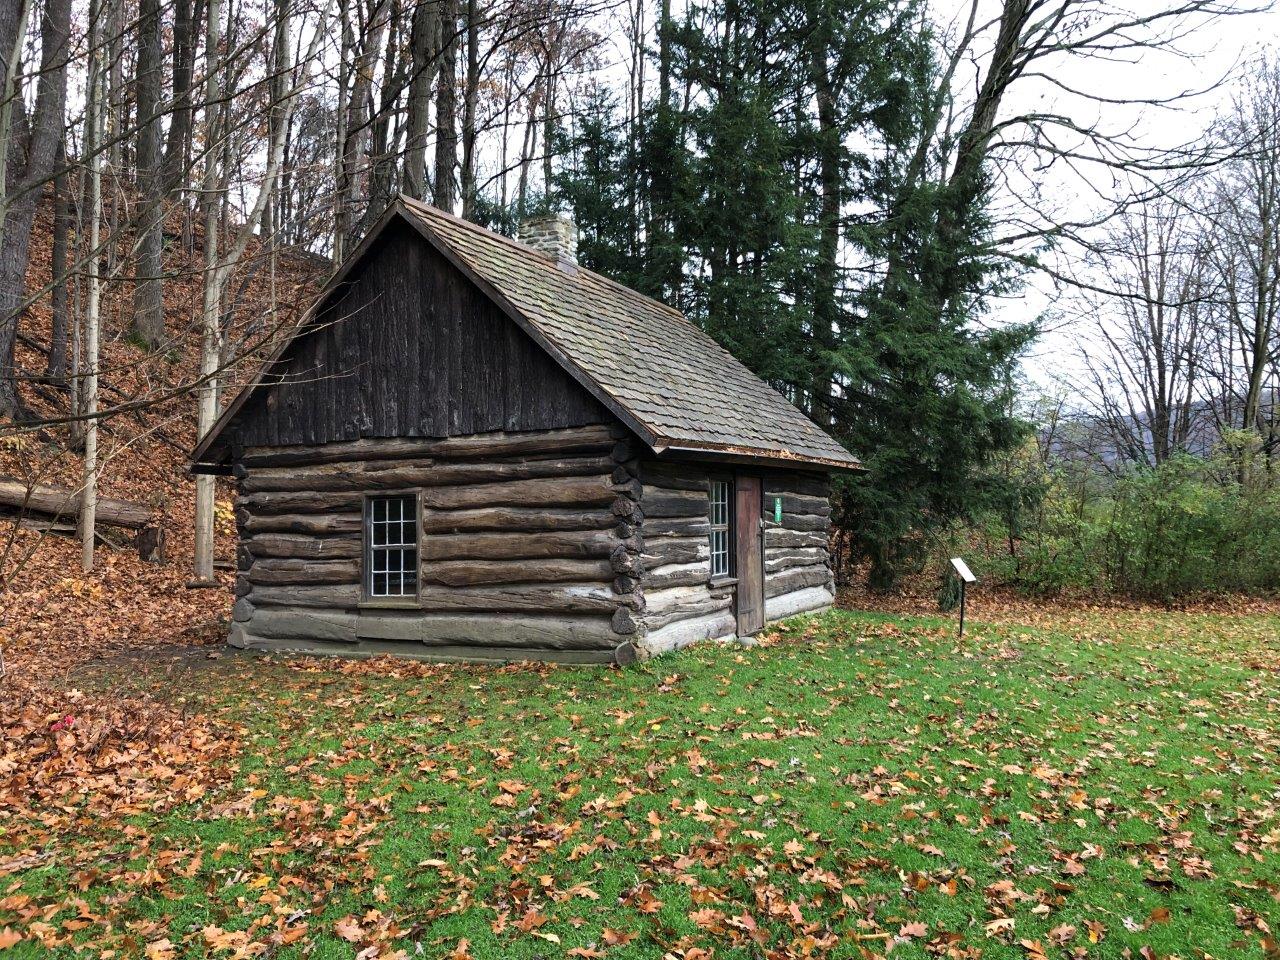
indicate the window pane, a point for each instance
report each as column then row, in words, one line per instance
column 393, row 546
column 719, row 493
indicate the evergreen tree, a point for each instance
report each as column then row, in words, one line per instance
column 596, row 180
column 926, row 396
column 782, row 200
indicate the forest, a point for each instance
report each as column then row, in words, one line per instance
column 853, row 198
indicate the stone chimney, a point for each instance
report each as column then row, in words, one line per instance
column 554, row 235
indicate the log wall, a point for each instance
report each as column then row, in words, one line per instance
column 528, row 547
column 797, row 562
column 680, row 603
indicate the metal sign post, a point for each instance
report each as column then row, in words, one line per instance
column 966, row 577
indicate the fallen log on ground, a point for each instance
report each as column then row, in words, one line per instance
column 21, row 499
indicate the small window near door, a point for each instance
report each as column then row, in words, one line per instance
column 721, row 498
column 391, row 555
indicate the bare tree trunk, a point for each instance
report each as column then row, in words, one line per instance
column 345, row 48
column 93, row 143
column 356, row 150
column 56, row 367
column 446, row 108
column 41, row 145
column 471, row 95
column 114, row 123
column 424, row 58
column 383, row 147
column 148, row 291
column 178, row 144
column 277, row 84
column 14, row 16
column 207, row 402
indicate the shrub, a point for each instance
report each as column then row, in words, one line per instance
column 1189, row 525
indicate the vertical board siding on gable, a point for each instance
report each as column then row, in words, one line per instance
column 410, row 348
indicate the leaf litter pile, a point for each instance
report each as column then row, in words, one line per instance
column 855, row 786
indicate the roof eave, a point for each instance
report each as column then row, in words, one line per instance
column 200, row 461
column 758, row 457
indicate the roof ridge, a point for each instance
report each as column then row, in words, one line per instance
column 540, row 258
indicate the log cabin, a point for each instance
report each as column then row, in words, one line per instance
column 474, row 448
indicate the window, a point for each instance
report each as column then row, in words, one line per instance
column 721, row 498
column 391, row 555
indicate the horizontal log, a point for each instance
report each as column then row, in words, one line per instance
column 664, row 550
column 304, row 572
column 677, row 575
column 778, row 584
column 514, row 518
column 778, row 538
column 800, row 504
column 463, row 573
column 658, row 502
column 293, row 622
column 806, row 484
column 302, row 502
column 715, row 626
column 304, row 547
column 803, row 522
column 22, row 499
column 529, row 597
column 548, row 492
column 523, row 632
column 594, row 438
column 438, row 653
column 320, row 523
column 334, row 596
column 776, row 561
column 798, row 601
column 707, row 605
column 678, row 527
column 658, row 599
column 510, row 546
column 672, row 476
column 406, row 474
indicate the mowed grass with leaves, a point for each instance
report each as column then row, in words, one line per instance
column 854, row 786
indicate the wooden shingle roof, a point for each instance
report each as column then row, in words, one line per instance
column 679, row 390
column 682, row 387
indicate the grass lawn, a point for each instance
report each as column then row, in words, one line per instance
column 854, row 786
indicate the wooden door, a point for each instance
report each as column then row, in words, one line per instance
column 749, row 554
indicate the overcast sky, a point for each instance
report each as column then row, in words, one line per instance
column 1211, row 53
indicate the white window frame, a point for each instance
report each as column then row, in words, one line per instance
column 405, row 550
column 720, row 537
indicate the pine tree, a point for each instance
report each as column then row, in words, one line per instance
column 783, row 208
